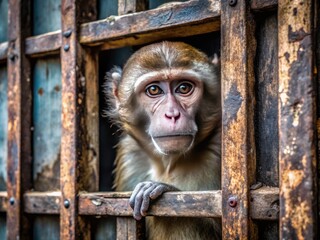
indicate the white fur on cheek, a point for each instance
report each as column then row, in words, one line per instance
column 157, row 147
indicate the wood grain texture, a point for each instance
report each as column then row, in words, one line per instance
column 297, row 123
column 238, row 144
column 19, row 118
column 154, row 23
column 131, row 6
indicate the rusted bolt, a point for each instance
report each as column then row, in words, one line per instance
column 12, row 56
column 67, row 33
column 66, row 47
column 232, row 3
column 66, row 203
column 11, row 201
column 232, row 201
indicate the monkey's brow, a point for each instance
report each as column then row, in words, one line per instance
column 173, row 74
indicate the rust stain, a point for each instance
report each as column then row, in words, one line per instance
column 57, row 88
column 40, row 91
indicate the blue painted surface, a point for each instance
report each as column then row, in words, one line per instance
column 3, row 230
column 46, row 16
column 46, row 227
column 107, row 8
column 3, row 126
column 156, row 3
column 3, row 20
column 46, row 113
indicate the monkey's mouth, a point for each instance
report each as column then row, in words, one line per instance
column 173, row 144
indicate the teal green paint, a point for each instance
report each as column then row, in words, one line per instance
column 46, row 113
column 107, row 8
column 3, row 226
column 46, row 227
column 156, row 3
column 3, row 126
column 46, row 16
column 3, row 20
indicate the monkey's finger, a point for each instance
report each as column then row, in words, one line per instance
column 160, row 189
column 134, row 193
column 137, row 206
column 146, row 200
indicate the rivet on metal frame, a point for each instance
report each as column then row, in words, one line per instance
column 66, row 47
column 232, row 201
column 232, row 3
column 66, row 203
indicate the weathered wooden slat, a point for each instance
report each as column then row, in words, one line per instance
column 75, row 166
column 3, row 201
column 200, row 17
column 70, row 154
column 264, row 203
column 297, row 150
column 264, row 5
column 44, row 44
column 19, row 118
column 3, row 51
column 42, row 202
column 131, row 6
column 111, row 37
column 129, row 228
column 238, row 143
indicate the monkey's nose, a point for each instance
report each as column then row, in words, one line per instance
column 174, row 115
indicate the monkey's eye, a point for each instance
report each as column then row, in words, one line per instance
column 153, row 90
column 184, row 88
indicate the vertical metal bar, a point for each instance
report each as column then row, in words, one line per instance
column 238, row 145
column 71, row 117
column 75, row 142
column 297, row 122
column 19, row 117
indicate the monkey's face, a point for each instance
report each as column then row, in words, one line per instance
column 170, row 99
column 167, row 97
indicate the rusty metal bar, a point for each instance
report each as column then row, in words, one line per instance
column 19, row 117
column 78, row 169
column 71, row 116
column 238, row 145
column 297, row 121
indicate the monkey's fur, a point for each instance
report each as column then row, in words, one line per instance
column 139, row 157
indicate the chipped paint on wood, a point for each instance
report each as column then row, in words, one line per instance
column 296, row 120
column 238, row 145
column 46, row 124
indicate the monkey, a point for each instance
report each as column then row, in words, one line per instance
column 166, row 102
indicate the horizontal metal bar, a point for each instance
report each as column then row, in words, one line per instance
column 264, row 204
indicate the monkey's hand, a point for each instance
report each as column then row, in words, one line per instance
column 143, row 193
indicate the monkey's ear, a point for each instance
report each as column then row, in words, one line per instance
column 110, row 89
column 215, row 59
column 116, row 77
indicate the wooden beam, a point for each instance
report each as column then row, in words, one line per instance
column 110, row 36
column 129, row 228
column 264, row 5
column 42, row 202
column 238, row 144
column 264, row 204
column 297, row 121
column 19, row 118
column 157, row 23
column 44, row 44
column 76, row 158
